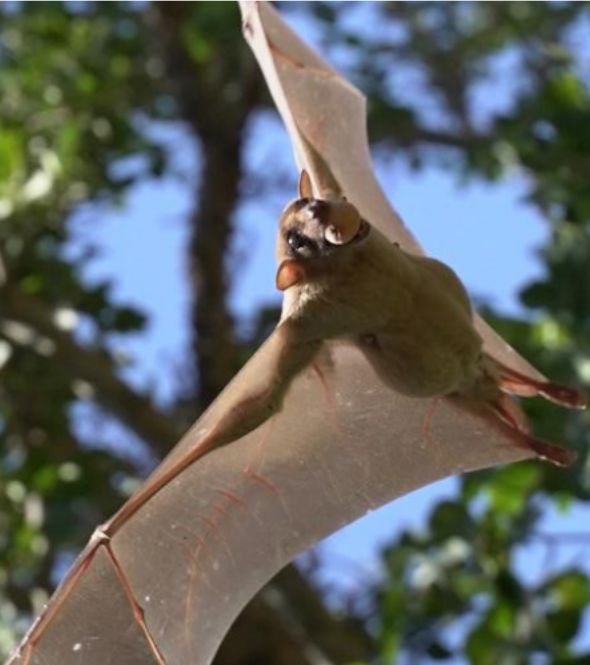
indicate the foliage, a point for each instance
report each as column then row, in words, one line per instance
column 81, row 81
column 63, row 135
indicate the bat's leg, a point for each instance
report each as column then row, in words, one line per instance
column 510, row 414
column 515, row 383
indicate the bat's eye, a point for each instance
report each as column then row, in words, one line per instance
column 300, row 243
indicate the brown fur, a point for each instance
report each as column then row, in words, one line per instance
column 410, row 316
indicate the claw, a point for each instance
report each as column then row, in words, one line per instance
column 511, row 415
column 549, row 452
column 514, row 383
column 564, row 395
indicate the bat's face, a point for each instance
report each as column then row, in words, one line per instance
column 314, row 228
column 313, row 233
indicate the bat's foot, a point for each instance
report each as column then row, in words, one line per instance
column 510, row 414
column 544, row 450
column 567, row 396
column 550, row 452
column 514, row 383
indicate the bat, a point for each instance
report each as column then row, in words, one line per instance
column 409, row 315
column 309, row 435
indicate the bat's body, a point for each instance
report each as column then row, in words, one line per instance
column 410, row 315
column 417, row 332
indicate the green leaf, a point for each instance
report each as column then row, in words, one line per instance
column 563, row 624
column 449, row 519
column 570, row 590
column 511, row 487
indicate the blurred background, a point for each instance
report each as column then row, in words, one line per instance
column 142, row 172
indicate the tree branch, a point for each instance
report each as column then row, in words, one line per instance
column 389, row 135
column 95, row 367
column 217, row 118
column 281, row 623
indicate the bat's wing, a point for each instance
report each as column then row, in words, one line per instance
column 321, row 108
column 161, row 582
column 165, row 586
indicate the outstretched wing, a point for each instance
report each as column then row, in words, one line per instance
column 163, row 581
column 321, row 108
column 167, row 584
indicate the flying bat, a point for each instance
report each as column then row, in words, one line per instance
column 328, row 420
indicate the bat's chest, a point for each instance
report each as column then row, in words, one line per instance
column 427, row 346
column 421, row 362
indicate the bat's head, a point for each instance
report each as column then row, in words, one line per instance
column 313, row 229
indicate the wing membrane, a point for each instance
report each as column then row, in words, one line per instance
column 164, row 582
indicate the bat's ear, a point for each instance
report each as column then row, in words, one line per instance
column 305, row 188
column 289, row 274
